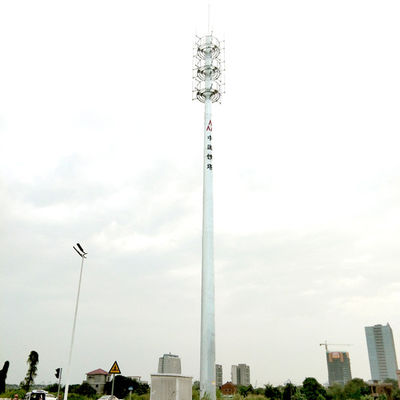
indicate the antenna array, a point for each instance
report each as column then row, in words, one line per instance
column 208, row 69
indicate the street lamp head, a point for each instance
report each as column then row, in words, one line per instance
column 82, row 254
column 80, row 248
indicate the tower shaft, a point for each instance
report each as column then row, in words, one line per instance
column 207, row 356
column 207, row 91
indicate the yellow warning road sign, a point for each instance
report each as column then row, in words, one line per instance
column 114, row 369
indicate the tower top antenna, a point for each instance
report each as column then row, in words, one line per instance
column 209, row 18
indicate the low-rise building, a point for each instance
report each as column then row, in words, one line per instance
column 228, row 389
column 97, row 379
column 379, row 389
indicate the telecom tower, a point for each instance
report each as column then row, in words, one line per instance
column 207, row 88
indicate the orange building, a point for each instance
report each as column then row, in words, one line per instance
column 228, row 389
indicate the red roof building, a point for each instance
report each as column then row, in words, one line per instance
column 98, row 371
column 97, row 379
column 228, row 389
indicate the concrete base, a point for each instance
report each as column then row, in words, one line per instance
column 171, row 387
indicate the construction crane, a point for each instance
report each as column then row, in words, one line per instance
column 333, row 344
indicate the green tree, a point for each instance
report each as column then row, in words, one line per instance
column 3, row 376
column 52, row 388
column 299, row 396
column 313, row 390
column 336, row 392
column 85, row 389
column 73, row 388
column 245, row 390
column 271, row 392
column 396, row 394
column 122, row 384
column 356, row 388
column 288, row 391
column 255, row 397
column 196, row 391
column 259, row 391
column 10, row 393
column 33, row 361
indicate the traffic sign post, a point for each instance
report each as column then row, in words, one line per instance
column 114, row 371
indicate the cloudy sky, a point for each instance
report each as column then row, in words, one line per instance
column 102, row 144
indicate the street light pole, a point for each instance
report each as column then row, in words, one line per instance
column 82, row 254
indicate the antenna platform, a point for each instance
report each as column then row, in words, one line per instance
column 208, row 69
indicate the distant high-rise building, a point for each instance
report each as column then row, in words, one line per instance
column 234, row 375
column 169, row 364
column 244, row 374
column 240, row 375
column 338, row 367
column 218, row 375
column 381, row 352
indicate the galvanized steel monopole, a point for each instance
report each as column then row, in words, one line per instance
column 207, row 88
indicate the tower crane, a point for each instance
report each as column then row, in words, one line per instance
column 333, row 344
